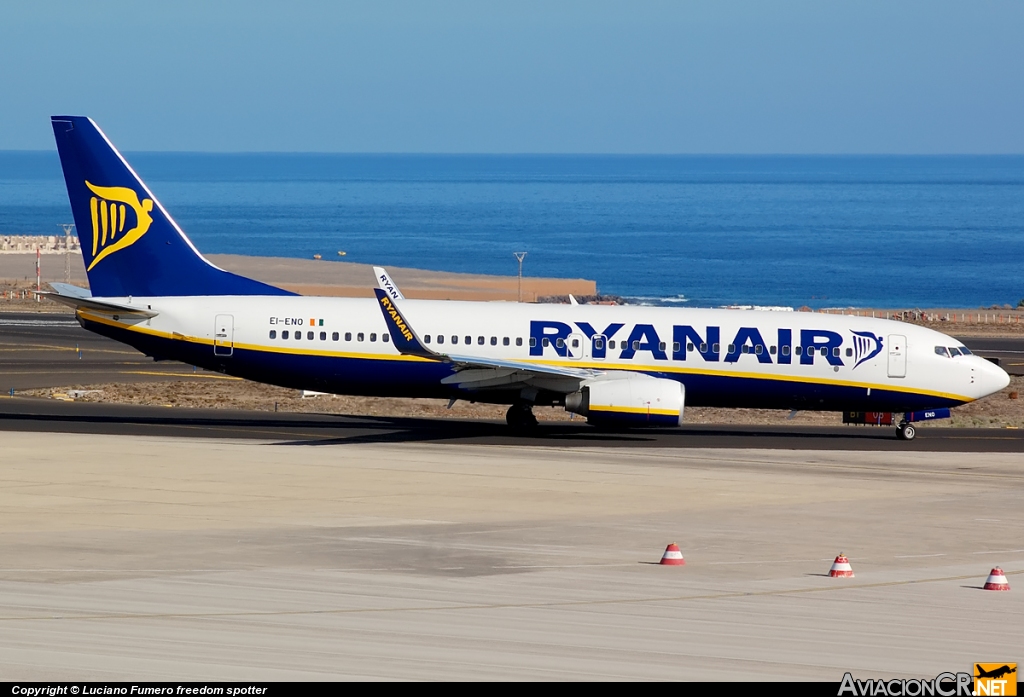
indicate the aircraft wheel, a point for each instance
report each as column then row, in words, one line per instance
column 906, row 432
column 520, row 417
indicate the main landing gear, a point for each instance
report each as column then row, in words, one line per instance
column 520, row 417
column 905, row 431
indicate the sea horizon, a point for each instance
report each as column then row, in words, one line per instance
column 861, row 230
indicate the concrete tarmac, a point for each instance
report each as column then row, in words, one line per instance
column 179, row 559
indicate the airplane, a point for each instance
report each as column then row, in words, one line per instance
column 995, row 673
column 618, row 366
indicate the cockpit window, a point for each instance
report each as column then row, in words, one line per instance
column 954, row 351
column 964, row 350
column 941, row 351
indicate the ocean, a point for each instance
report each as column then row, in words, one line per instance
column 701, row 231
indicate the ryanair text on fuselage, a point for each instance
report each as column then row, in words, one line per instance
column 707, row 343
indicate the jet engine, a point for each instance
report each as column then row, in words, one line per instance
column 630, row 400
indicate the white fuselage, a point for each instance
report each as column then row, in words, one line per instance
column 724, row 357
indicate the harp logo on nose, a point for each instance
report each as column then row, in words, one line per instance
column 113, row 209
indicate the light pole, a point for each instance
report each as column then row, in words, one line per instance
column 68, row 227
column 519, row 257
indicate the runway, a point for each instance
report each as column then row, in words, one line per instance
column 185, row 559
column 50, row 416
column 52, row 350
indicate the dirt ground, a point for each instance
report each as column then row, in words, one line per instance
column 996, row 411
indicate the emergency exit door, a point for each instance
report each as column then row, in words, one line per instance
column 224, row 335
column 897, row 356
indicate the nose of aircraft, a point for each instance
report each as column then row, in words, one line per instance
column 991, row 378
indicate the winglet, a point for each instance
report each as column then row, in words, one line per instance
column 386, row 284
column 402, row 333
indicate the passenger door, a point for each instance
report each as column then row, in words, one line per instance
column 897, row 356
column 224, row 335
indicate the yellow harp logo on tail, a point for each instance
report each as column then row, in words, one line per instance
column 108, row 208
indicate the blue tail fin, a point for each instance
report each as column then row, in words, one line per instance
column 130, row 244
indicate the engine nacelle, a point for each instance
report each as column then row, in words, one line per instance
column 631, row 400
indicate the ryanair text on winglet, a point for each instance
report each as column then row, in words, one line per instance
column 400, row 324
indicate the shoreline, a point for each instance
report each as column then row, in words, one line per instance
column 333, row 278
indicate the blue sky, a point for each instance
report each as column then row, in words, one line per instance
column 729, row 76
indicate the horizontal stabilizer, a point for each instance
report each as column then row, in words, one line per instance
column 80, row 298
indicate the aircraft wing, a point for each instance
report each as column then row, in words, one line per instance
column 77, row 298
column 473, row 372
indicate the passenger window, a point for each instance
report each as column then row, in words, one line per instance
column 759, row 349
column 469, row 340
column 941, row 351
column 373, row 337
column 704, row 348
column 611, row 344
column 440, row 338
column 480, row 341
column 798, row 350
column 835, row 351
column 953, row 352
column 494, row 341
column 284, row 334
column 785, row 350
column 323, row 336
column 675, row 346
column 715, row 347
column 298, row 335
column 385, row 338
column 689, row 345
column 599, row 344
column 334, row 336
column 348, row 336
column 519, row 341
column 533, row 342
column 309, row 335
column 744, row 349
column 732, row 348
column 661, row 346
column 824, row 351
column 359, row 336
column 559, row 343
column 772, row 350
column 505, row 342
column 636, row 345
column 849, row 352
column 545, row 342
column 426, row 339
column 575, row 343
column 455, row 339
column 273, row 333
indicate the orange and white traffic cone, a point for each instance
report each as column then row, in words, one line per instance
column 672, row 556
column 841, row 567
column 996, row 581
